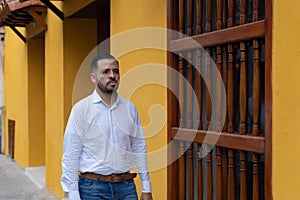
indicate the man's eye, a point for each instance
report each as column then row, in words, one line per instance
column 105, row 71
column 116, row 71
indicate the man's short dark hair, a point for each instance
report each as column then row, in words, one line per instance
column 94, row 63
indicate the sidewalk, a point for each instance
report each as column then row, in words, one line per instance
column 15, row 185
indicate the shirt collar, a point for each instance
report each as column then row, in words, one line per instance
column 98, row 99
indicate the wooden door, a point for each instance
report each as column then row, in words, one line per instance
column 222, row 127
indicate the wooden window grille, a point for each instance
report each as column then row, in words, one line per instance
column 236, row 35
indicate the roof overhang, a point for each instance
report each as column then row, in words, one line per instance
column 20, row 13
column 25, row 13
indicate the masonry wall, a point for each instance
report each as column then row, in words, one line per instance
column 16, row 94
column 143, row 75
column 286, row 98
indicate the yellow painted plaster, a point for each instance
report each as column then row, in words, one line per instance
column 16, row 93
column 80, row 37
column 286, row 98
column 36, row 104
column 54, row 99
column 126, row 16
column 71, row 6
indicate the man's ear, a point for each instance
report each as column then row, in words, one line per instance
column 93, row 77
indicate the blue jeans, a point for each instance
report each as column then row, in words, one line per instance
column 100, row 190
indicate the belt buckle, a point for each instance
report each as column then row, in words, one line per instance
column 113, row 178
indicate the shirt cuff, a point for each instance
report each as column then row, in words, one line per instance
column 146, row 186
column 74, row 195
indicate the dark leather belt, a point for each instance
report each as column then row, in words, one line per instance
column 114, row 178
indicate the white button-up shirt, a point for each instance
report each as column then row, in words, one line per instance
column 103, row 140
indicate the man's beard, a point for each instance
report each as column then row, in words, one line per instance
column 107, row 90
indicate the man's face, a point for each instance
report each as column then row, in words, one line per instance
column 107, row 77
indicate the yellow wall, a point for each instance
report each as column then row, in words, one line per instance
column 16, row 93
column 71, row 6
column 80, row 37
column 69, row 44
column 286, row 98
column 36, row 107
column 125, row 16
column 54, row 99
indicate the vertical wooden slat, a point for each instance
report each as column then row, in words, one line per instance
column 195, row 171
column 256, row 77
column 230, row 85
column 243, row 102
column 198, row 193
column 173, row 119
column 181, row 15
column 187, row 171
column 219, row 175
column 196, row 120
column 188, row 110
column 199, row 61
column 208, row 63
column 256, row 102
column 209, row 183
column 225, row 84
column 200, row 171
column 199, row 16
column 181, row 161
column 181, row 171
column 189, row 91
column 230, row 100
column 195, row 145
column 225, row 123
column 180, row 61
column 219, row 195
column 189, row 99
column 268, row 101
column 190, row 17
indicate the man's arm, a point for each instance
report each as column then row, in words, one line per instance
column 70, row 159
column 140, row 158
column 146, row 196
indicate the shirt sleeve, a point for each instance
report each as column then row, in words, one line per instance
column 70, row 159
column 145, row 180
column 140, row 154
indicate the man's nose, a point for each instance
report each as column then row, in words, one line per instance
column 112, row 74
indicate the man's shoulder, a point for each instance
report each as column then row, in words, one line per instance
column 82, row 103
column 126, row 102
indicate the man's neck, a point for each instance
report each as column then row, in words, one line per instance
column 107, row 98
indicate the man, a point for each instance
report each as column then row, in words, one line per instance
column 103, row 138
